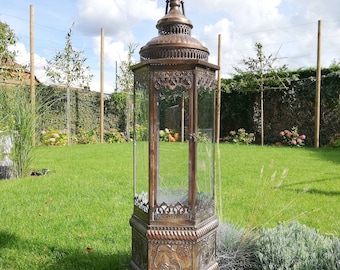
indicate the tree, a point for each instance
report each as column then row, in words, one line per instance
column 7, row 56
column 125, row 81
column 67, row 68
column 7, row 38
column 260, row 74
column 335, row 65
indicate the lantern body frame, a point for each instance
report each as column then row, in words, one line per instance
column 174, row 223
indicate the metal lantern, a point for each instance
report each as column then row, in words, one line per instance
column 173, row 221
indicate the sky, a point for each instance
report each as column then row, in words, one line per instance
column 287, row 29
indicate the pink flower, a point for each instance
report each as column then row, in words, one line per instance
column 282, row 133
column 302, row 137
column 295, row 134
column 293, row 142
column 288, row 134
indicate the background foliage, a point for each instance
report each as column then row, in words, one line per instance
column 51, row 113
column 285, row 108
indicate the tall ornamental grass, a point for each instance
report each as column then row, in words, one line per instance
column 16, row 117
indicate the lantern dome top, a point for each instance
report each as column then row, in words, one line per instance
column 174, row 39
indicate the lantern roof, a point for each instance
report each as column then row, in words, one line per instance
column 174, row 40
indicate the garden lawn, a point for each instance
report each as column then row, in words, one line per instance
column 77, row 216
column 261, row 186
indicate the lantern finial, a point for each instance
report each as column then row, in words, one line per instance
column 174, row 37
column 174, row 6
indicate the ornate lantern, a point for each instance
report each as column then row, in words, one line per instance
column 173, row 222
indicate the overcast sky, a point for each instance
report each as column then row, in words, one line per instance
column 286, row 28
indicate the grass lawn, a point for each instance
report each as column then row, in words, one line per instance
column 261, row 186
column 77, row 216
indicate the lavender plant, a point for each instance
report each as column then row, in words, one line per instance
column 296, row 246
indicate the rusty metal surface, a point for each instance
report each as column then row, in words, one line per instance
column 174, row 39
column 168, row 234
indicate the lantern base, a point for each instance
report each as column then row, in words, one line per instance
column 156, row 247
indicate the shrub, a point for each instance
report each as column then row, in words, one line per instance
column 87, row 137
column 167, row 135
column 292, row 137
column 235, row 248
column 295, row 246
column 335, row 141
column 240, row 137
column 141, row 133
column 54, row 137
column 203, row 137
column 114, row 136
column 163, row 135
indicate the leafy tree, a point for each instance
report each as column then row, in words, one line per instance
column 7, row 38
column 335, row 65
column 67, row 68
column 7, row 56
column 259, row 75
column 125, row 82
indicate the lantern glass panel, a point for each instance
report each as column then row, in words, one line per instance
column 205, row 146
column 172, row 182
column 141, row 137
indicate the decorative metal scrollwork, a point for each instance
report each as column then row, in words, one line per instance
column 173, row 79
column 206, row 79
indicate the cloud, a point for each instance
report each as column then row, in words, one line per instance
column 287, row 29
column 307, row 11
column 113, row 50
column 117, row 17
column 23, row 58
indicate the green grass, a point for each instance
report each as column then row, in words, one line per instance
column 309, row 192
column 86, row 201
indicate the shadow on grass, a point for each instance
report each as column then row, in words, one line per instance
column 70, row 260
column 283, row 186
column 7, row 240
column 329, row 154
column 318, row 191
column 56, row 258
